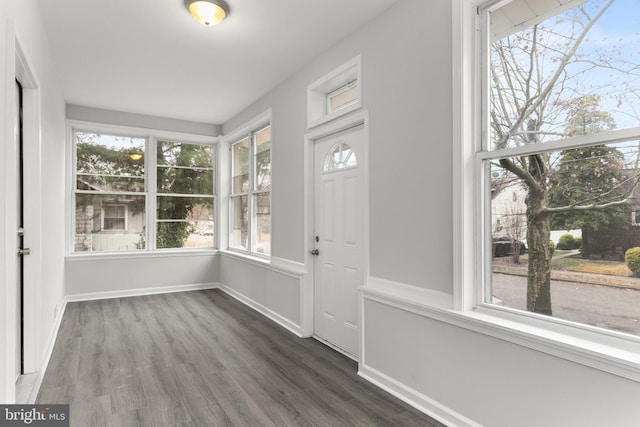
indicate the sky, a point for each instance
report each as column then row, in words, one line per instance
column 613, row 40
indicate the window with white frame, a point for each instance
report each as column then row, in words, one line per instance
column 250, row 199
column 184, row 200
column 122, row 182
column 114, row 217
column 335, row 94
column 343, row 97
column 560, row 125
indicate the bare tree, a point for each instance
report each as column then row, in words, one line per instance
column 533, row 73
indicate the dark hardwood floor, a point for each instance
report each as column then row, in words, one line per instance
column 203, row 359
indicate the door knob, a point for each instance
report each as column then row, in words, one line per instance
column 25, row 251
column 315, row 252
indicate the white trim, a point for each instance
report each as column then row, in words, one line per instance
column 464, row 100
column 407, row 294
column 222, row 195
column 272, row 315
column 607, row 137
column 93, row 296
column 414, row 398
column 160, row 253
column 247, row 257
column 282, row 266
column 48, row 352
column 287, row 266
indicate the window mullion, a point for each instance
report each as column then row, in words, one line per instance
column 484, row 252
column 152, row 190
column 612, row 136
column 252, row 189
column 485, row 82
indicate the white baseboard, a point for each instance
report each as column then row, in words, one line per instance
column 142, row 291
column 418, row 400
column 282, row 321
column 37, row 381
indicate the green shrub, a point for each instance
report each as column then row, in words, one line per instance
column 632, row 259
column 578, row 244
column 566, row 242
column 552, row 248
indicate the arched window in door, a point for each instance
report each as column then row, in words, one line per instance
column 340, row 156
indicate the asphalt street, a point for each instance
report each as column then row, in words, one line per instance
column 603, row 306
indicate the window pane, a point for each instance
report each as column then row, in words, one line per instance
column 262, row 208
column 263, row 159
column 186, row 155
column 583, row 201
column 575, row 73
column 184, row 234
column 239, row 219
column 185, row 222
column 109, row 162
column 340, row 156
column 240, row 165
column 343, row 97
column 114, row 217
column 185, row 180
column 185, row 168
column 189, row 208
column 107, row 222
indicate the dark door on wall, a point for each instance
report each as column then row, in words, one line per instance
column 19, row 231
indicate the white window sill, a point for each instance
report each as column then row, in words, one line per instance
column 619, row 355
column 608, row 351
column 169, row 253
column 246, row 256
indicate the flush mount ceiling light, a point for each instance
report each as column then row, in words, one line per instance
column 207, row 12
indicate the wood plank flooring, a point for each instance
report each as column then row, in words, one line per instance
column 203, row 359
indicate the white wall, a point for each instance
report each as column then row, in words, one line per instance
column 131, row 274
column 22, row 18
column 99, row 115
column 407, row 89
column 458, row 375
column 486, row 380
column 271, row 290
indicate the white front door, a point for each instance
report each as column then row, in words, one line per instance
column 339, row 236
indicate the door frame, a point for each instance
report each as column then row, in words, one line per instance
column 19, row 67
column 307, row 302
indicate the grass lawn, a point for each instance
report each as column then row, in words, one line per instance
column 580, row 265
column 611, row 268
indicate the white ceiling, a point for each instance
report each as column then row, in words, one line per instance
column 151, row 57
